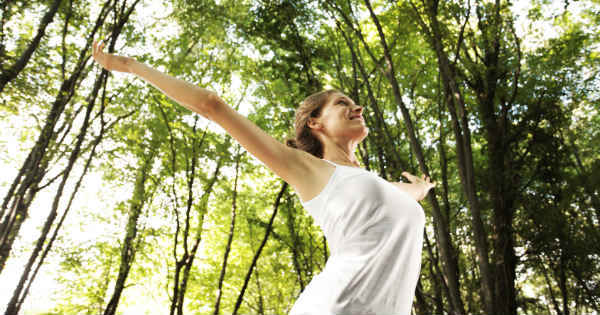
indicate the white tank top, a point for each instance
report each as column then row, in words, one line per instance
column 375, row 234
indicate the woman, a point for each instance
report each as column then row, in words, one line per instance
column 374, row 227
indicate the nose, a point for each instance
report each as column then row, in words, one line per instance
column 357, row 109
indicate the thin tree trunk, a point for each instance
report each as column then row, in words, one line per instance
column 128, row 249
column 26, row 184
column 582, row 174
column 437, row 278
column 6, row 10
column 231, row 232
column 465, row 155
column 562, row 277
column 295, row 242
column 261, row 301
column 240, row 298
column 183, row 265
column 549, row 284
column 447, row 250
column 18, row 295
column 189, row 261
column 501, row 168
column 420, row 305
column 381, row 124
column 48, row 247
column 14, row 70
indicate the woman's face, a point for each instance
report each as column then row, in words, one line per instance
column 341, row 118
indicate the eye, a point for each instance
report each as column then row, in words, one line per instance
column 342, row 102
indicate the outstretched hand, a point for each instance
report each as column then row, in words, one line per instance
column 422, row 185
column 110, row 62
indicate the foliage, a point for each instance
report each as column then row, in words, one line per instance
column 263, row 58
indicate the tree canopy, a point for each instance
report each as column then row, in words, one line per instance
column 116, row 200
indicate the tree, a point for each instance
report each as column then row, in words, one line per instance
column 503, row 117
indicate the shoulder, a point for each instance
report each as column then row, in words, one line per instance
column 311, row 175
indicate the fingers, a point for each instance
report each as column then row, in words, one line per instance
column 97, row 48
column 414, row 179
column 427, row 179
column 431, row 184
column 409, row 176
column 98, row 55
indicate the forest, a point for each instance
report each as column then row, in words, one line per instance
column 116, row 200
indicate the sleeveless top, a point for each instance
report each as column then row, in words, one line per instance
column 375, row 234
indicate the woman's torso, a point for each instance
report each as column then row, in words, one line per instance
column 375, row 234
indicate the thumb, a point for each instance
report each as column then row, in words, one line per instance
column 408, row 176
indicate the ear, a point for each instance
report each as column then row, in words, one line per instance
column 314, row 123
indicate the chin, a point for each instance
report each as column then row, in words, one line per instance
column 357, row 134
column 363, row 135
column 366, row 131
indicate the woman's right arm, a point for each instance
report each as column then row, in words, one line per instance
column 192, row 97
column 292, row 165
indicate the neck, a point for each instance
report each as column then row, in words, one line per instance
column 341, row 152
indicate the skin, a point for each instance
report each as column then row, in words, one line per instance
column 340, row 128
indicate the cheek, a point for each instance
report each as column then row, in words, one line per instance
column 332, row 123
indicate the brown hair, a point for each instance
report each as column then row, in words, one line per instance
column 310, row 107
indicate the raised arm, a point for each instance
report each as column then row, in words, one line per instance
column 192, row 97
column 300, row 169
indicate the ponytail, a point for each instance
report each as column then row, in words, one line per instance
column 305, row 140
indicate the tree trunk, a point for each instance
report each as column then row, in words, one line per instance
column 18, row 296
column 582, row 173
column 129, row 248
column 231, row 232
column 14, row 70
column 455, row 101
column 381, row 124
column 501, row 168
column 437, row 278
column 184, row 264
column 5, row 10
column 92, row 155
column 290, row 222
column 555, row 303
column 240, row 298
column 25, row 185
column 420, row 305
column 261, row 300
column 189, row 259
column 445, row 246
